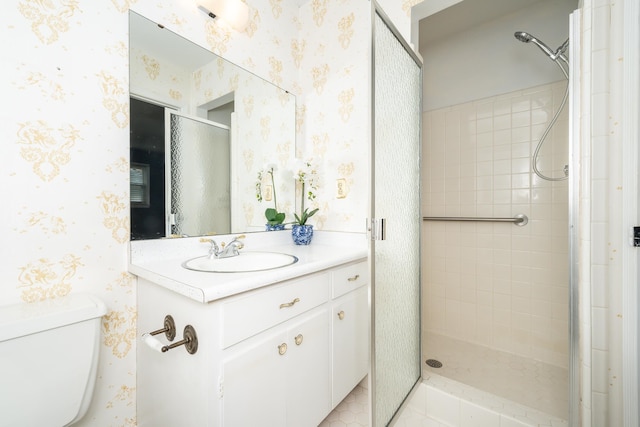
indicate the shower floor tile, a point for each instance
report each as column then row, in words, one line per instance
column 525, row 381
column 443, row 402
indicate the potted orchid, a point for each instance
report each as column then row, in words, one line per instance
column 306, row 176
column 275, row 219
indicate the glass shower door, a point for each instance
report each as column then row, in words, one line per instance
column 198, row 175
column 396, row 198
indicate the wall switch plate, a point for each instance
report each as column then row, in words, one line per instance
column 267, row 193
column 341, row 189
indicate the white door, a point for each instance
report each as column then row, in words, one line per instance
column 349, row 350
column 308, row 379
column 254, row 384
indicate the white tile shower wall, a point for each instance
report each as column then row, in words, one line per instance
column 497, row 284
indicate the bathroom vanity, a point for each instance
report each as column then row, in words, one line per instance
column 278, row 347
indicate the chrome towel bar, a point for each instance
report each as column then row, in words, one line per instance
column 519, row 220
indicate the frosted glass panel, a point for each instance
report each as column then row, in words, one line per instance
column 199, row 171
column 397, row 199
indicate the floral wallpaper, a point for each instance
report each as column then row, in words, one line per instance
column 65, row 141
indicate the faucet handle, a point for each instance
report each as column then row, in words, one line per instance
column 205, row 240
column 238, row 238
column 235, row 239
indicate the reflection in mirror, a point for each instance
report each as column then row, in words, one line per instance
column 199, row 170
column 230, row 124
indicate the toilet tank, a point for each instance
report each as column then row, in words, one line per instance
column 48, row 360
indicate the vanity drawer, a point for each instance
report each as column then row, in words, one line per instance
column 245, row 316
column 347, row 278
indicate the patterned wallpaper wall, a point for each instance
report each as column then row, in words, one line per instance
column 333, row 54
column 65, row 141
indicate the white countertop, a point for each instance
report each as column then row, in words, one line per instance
column 160, row 261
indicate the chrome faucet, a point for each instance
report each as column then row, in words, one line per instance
column 232, row 248
column 214, row 250
column 227, row 250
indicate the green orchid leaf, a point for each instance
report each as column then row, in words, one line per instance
column 302, row 219
column 273, row 216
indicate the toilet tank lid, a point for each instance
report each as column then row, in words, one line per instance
column 22, row 319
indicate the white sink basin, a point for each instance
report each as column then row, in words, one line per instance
column 245, row 262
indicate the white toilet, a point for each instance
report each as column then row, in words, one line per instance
column 48, row 360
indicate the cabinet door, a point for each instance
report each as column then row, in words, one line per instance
column 308, row 377
column 350, row 347
column 254, row 383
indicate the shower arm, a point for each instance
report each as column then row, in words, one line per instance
column 559, row 53
column 525, row 37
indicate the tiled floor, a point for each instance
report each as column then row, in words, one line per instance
column 353, row 411
column 537, row 385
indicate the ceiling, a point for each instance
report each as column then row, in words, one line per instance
column 459, row 17
column 464, row 15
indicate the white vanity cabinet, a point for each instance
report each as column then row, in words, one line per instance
column 349, row 329
column 280, row 377
column 279, row 355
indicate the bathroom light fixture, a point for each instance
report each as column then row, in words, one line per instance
column 234, row 12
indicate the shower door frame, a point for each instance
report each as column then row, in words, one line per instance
column 169, row 187
column 575, row 388
column 580, row 144
column 376, row 10
column 574, row 217
column 630, row 200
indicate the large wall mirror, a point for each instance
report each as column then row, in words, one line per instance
column 202, row 129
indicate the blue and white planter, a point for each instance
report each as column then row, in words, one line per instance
column 302, row 234
column 275, row 227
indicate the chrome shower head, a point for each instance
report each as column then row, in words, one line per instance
column 558, row 54
column 528, row 38
column 523, row 36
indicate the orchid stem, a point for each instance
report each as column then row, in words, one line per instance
column 273, row 186
column 302, row 202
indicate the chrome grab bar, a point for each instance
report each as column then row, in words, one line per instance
column 519, row 220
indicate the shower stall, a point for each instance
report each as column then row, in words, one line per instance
column 495, row 240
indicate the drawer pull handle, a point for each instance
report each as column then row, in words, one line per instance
column 298, row 339
column 354, row 278
column 341, row 314
column 282, row 348
column 289, row 304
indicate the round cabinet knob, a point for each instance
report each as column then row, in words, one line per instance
column 282, row 348
column 298, row 339
column 341, row 314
